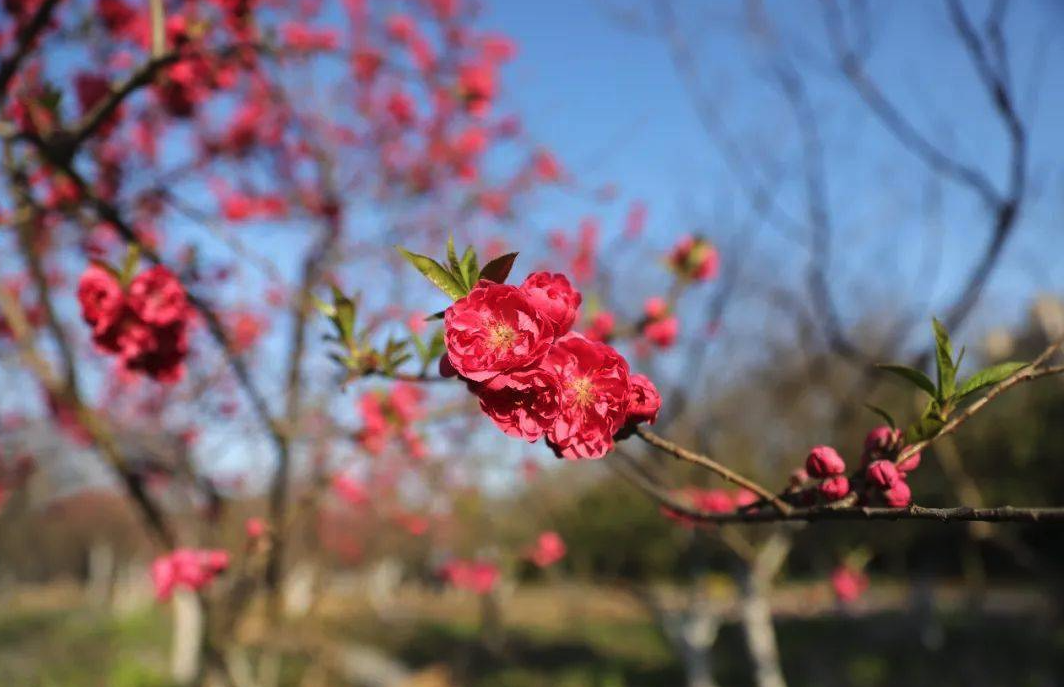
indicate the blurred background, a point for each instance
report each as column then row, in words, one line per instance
column 851, row 168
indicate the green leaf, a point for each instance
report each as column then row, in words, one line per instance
column 883, row 414
column 498, row 269
column 468, row 267
column 435, row 316
column 995, row 374
column 947, row 369
column 915, row 376
column 323, row 307
column 419, row 345
column 452, row 256
column 344, row 318
column 129, row 264
column 924, row 428
column 435, row 273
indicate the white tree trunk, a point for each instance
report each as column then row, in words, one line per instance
column 187, row 646
column 755, row 611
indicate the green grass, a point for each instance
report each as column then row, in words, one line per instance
column 79, row 648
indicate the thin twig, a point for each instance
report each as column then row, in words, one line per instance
column 681, row 453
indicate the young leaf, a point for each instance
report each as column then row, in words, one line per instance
column 995, row 374
column 947, row 369
column 924, row 428
column 883, row 414
column 452, row 256
column 915, row 376
column 346, row 309
column 129, row 264
column 323, row 307
column 435, row 273
column 498, row 269
column 469, row 269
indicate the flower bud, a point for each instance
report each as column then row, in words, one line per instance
column 910, row 463
column 883, row 474
column 824, row 461
column 899, row 495
column 798, row 477
column 835, row 488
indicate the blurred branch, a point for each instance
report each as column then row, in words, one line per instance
column 681, row 453
column 86, row 416
column 24, row 42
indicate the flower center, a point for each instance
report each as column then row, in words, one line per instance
column 501, row 336
column 584, row 390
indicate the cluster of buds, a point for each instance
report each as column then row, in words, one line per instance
column 825, row 463
column 694, row 259
column 882, row 475
column 191, row 569
column 884, row 478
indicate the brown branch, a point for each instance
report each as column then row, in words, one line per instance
column 821, row 513
column 681, row 453
column 25, row 39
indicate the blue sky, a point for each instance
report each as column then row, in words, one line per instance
column 608, row 99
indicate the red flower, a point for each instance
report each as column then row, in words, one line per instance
column 555, row 297
column 157, row 297
column 695, row 259
column 101, row 299
column 848, row 583
column 549, row 549
column 476, row 84
column 190, row 568
column 594, row 396
column 525, row 407
column 495, row 330
column 644, row 399
column 601, row 326
column 350, row 490
column 476, row 576
column 662, row 333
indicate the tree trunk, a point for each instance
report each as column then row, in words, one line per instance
column 756, row 611
column 186, row 657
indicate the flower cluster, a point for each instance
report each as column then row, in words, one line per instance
column 882, row 475
column 192, row 569
column 536, row 378
column 478, row 577
column 884, row 479
column 825, row 463
column 145, row 324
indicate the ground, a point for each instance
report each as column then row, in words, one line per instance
column 53, row 640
